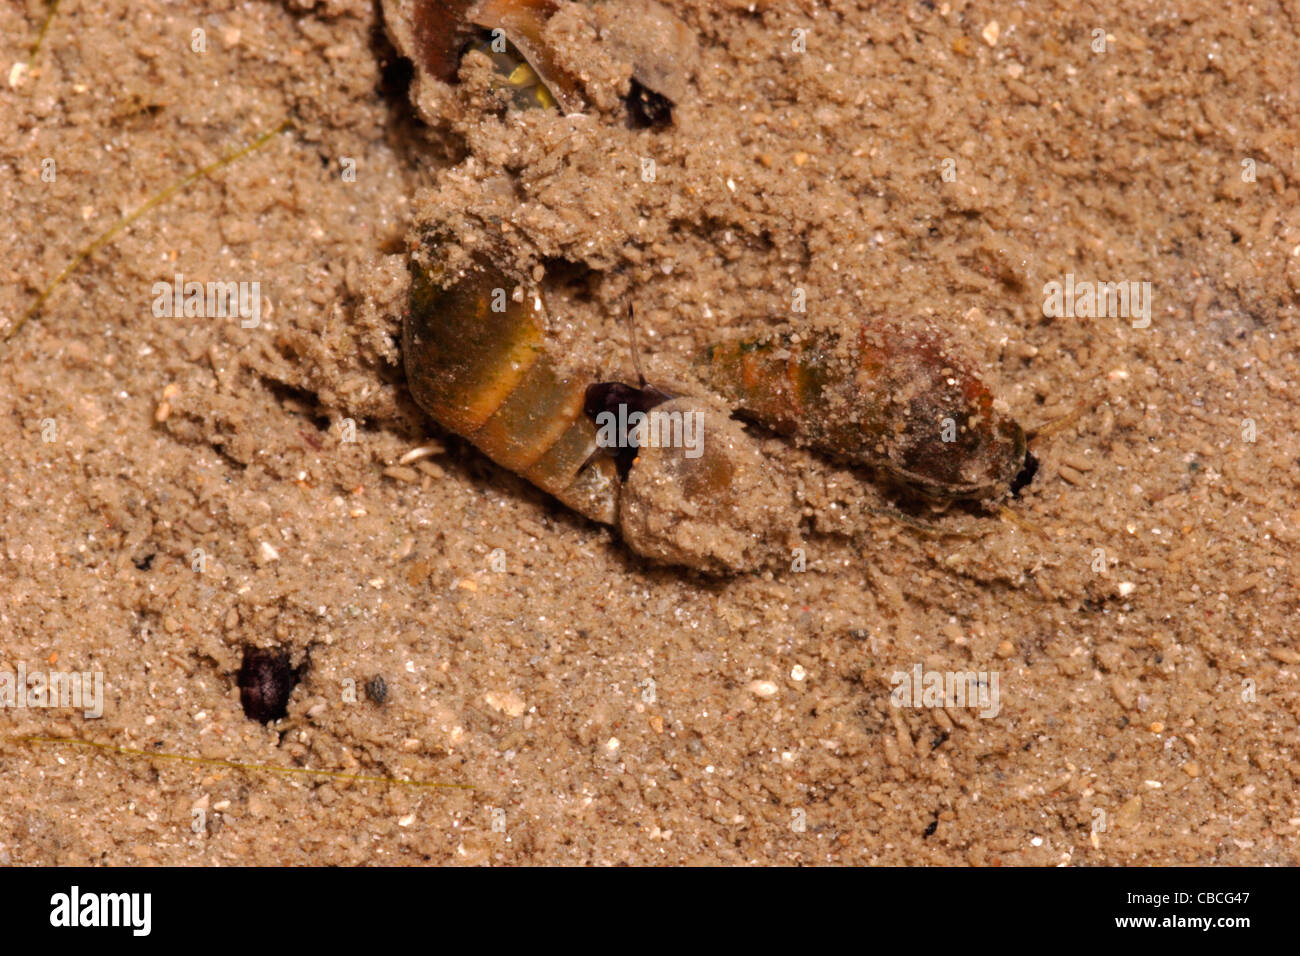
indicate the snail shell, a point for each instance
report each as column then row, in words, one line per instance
column 662, row 50
column 476, row 362
column 885, row 396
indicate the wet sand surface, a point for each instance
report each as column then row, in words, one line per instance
column 177, row 489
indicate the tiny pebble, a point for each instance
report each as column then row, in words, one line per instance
column 1069, row 474
column 1129, row 813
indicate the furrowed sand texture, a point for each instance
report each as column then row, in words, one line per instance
column 1138, row 602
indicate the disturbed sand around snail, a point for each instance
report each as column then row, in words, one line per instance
column 620, row 714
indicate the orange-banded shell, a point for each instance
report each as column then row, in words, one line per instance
column 475, row 362
column 886, row 397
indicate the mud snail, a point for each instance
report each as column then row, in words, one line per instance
column 883, row 395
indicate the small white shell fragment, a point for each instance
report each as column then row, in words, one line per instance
column 420, row 451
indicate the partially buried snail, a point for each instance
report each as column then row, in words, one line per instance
column 436, row 34
column 690, row 485
column 476, row 361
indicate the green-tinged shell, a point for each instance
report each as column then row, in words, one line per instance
column 475, row 362
column 436, row 33
column 521, row 23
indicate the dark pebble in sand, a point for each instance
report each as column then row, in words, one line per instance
column 377, row 689
column 265, row 682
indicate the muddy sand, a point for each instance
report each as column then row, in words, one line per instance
column 181, row 488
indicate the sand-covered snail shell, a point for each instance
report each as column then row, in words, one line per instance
column 724, row 510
